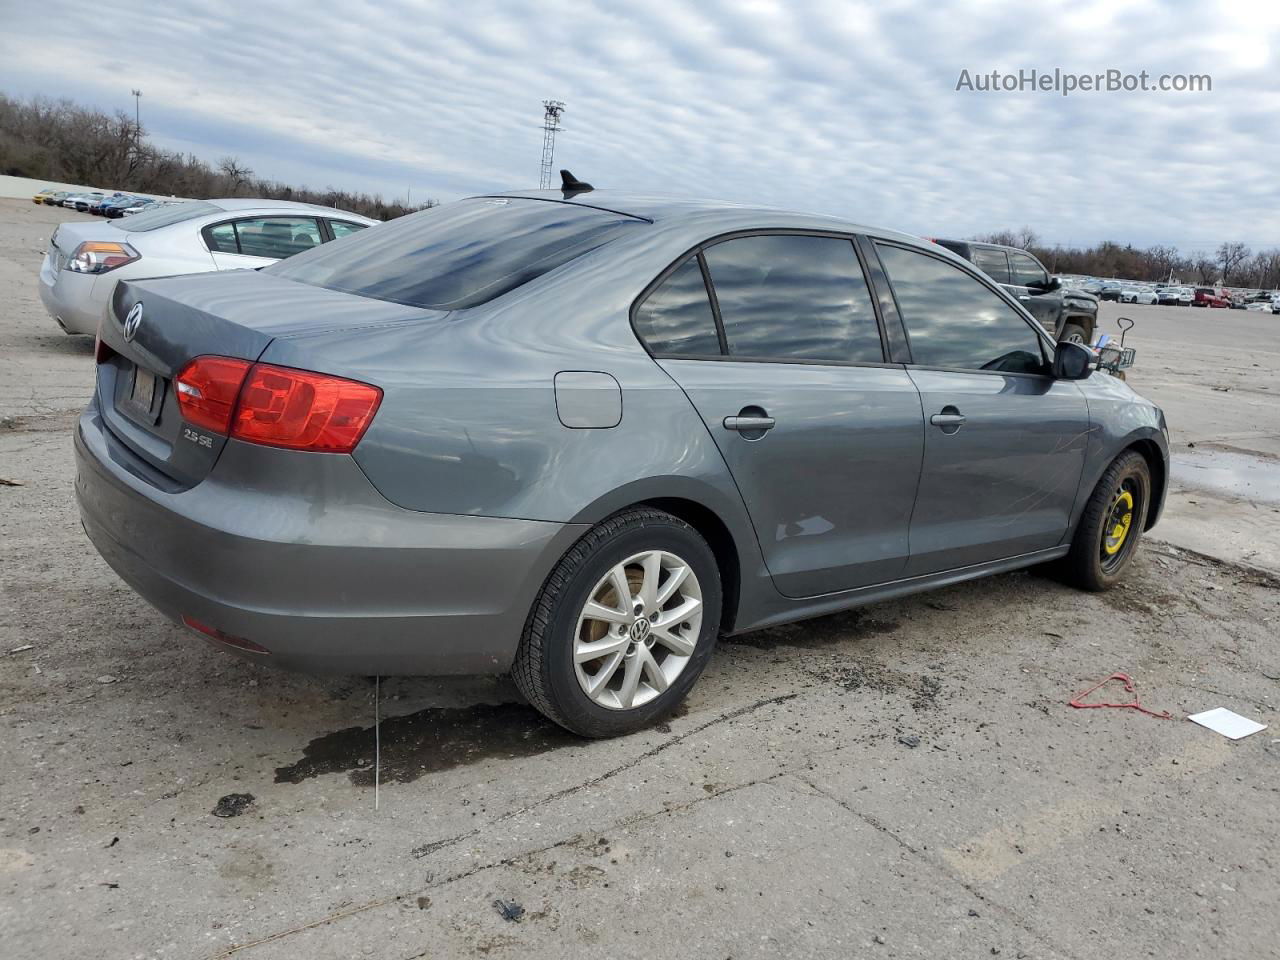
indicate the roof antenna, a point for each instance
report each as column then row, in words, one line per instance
column 571, row 185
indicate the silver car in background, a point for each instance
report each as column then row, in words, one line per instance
column 86, row 260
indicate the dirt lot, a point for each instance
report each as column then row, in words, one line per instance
column 902, row 781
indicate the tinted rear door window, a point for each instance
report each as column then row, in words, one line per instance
column 676, row 318
column 790, row 297
column 277, row 237
column 460, row 254
column 952, row 320
column 993, row 263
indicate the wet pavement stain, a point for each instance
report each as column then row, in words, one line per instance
column 429, row 741
column 1227, row 472
column 824, row 631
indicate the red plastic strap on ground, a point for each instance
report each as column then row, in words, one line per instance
column 1136, row 704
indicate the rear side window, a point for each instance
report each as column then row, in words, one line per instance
column 341, row 228
column 221, row 238
column 789, row 297
column 993, row 263
column 676, row 317
column 954, row 321
column 460, row 254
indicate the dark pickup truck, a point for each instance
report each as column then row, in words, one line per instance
column 1068, row 314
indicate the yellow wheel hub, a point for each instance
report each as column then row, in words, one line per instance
column 1119, row 518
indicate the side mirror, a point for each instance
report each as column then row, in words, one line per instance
column 1048, row 285
column 1073, row 361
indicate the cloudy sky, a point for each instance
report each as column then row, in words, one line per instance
column 839, row 107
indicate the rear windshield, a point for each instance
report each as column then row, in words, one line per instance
column 163, row 216
column 460, row 254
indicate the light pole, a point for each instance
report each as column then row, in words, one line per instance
column 137, row 112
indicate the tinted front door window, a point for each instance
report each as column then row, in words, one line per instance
column 794, row 298
column 1026, row 271
column 954, row 321
column 676, row 319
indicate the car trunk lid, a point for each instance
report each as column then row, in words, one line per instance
column 157, row 326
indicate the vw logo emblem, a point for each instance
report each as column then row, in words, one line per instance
column 132, row 321
column 640, row 630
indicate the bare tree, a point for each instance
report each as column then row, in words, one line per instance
column 1230, row 256
column 237, row 173
column 1207, row 268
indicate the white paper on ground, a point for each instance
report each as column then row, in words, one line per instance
column 1230, row 725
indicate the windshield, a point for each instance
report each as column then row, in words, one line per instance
column 458, row 255
column 166, row 215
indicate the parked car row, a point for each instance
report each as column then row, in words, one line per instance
column 110, row 205
column 1175, row 295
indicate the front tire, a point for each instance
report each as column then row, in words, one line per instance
column 623, row 626
column 1074, row 333
column 1111, row 526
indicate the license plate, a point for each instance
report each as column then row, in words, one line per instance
column 144, row 388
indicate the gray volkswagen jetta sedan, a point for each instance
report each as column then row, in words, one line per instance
column 577, row 435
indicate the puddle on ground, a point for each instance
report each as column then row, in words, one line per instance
column 1234, row 474
column 431, row 740
column 821, row 632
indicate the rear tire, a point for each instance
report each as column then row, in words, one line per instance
column 645, row 669
column 1110, row 526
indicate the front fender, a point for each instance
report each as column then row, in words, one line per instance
column 1119, row 420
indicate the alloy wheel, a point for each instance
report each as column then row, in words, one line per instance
column 637, row 630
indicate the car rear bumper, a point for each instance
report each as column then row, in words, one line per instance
column 76, row 301
column 298, row 553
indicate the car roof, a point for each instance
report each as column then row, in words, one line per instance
column 708, row 216
column 982, row 243
column 236, row 204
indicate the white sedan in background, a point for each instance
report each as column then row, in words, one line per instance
column 86, row 259
column 1146, row 295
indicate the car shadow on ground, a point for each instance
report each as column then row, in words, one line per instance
column 307, row 726
column 64, row 344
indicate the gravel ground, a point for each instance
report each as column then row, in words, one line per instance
column 906, row 780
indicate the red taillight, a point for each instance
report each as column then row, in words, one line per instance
column 300, row 410
column 207, row 388
column 276, row 406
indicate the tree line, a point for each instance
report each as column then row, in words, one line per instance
column 59, row 140
column 1234, row 264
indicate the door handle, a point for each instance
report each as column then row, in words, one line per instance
column 748, row 423
column 950, row 420
column 1023, row 296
